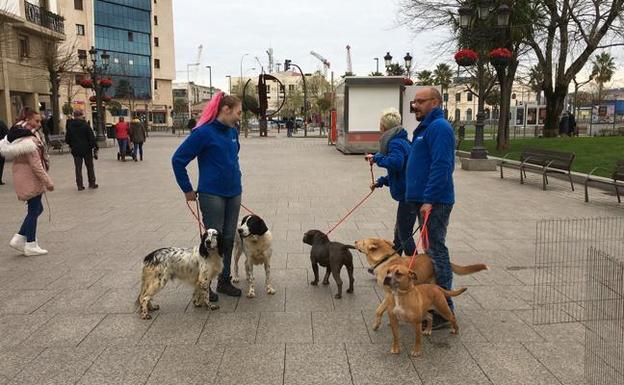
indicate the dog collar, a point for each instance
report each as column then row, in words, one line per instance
column 384, row 259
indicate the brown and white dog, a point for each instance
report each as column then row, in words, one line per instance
column 255, row 241
column 196, row 266
column 411, row 303
column 381, row 257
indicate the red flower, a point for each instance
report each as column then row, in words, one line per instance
column 106, row 98
column 407, row 82
column 106, row 82
column 86, row 83
column 500, row 53
column 466, row 54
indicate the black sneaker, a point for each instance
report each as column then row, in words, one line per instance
column 212, row 296
column 224, row 286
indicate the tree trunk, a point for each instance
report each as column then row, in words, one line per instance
column 55, row 82
column 554, row 107
column 506, row 78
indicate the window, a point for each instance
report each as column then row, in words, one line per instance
column 80, row 30
column 130, row 36
column 155, row 84
column 23, row 47
column 268, row 88
column 78, row 5
column 457, row 115
column 79, row 78
column 156, row 63
column 291, row 88
column 458, row 97
column 156, row 42
column 155, row 20
column 82, row 52
column 469, row 96
column 469, row 114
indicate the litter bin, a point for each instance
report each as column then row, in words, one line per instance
column 110, row 131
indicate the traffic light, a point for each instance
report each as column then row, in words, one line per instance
column 287, row 64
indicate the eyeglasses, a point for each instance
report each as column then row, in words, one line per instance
column 420, row 101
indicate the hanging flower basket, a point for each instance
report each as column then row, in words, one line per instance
column 106, row 82
column 500, row 56
column 466, row 57
column 93, row 99
column 106, row 98
column 408, row 82
column 86, row 83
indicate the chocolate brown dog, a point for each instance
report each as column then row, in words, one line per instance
column 381, row 257
column 332, row 256
column 411, row 303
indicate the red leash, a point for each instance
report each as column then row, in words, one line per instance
column 423, row 239
column 200, row 225
column 246, row 209
column 356, row 206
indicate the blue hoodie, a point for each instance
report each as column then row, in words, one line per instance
column 216, row 148
column 394, row 162
column 431, row 161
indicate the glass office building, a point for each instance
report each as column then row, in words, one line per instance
column 123, row 28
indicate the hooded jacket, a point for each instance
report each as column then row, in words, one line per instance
column 30, row 178
column 394, row 160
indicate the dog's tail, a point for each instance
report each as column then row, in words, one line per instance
column 454, row 293
column 469, row 269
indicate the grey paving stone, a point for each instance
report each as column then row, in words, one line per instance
column 72, row 301
column 123, row 366
column 262, row 301
column 335, row 327
column 187, row 364
column 374, row 364
column 510, row 363
column 118, row 330
column 77, row 279
column 362, row 298
column 308, row 298
column 564, row 360
column 117, row 301
column 14, row 359
column 65, row 330
column 573, row 332
column 16, row 328
column 280, row 327
column 502, row 326
column 316, row 364
column 261, row 364
column 174, row 329
column 24, row 301
column 58, row 366
column 498, row 298
column 230, row 328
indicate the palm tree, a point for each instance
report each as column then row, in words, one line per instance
column 395, row 69
column 425, row 78
column 443, row 76
column 603, row 70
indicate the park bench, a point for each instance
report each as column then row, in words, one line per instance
column 617, row 179
column 57, row 142
column 543, row 161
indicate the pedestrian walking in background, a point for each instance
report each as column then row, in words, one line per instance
column 290, row 125
column 4, row 130
column 394, row 148
column 564, row 124
column 214, row 142
column 30, row 177
column 572, row 125
column 191, row 123
column 137, row 137
column 121, row 133
column 80, row 138
column 429, row 181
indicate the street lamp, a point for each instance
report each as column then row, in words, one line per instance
column 473, row 20
column 408, row 63
column 229, row 83
column 95, row 72
column 210, row 80
column 388, row 59
column 377, row 65
column 287, row 64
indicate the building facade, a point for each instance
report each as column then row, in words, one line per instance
column 27, row 29
column 138, row 36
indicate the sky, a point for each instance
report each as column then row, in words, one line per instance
column 230, row 29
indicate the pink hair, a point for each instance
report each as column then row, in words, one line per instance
column 211, row 110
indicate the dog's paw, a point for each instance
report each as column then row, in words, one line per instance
column 154, row 307
column 338, row 296
column 251, row 293
column 212, row 306
column 426, row 332
column 454, row 331
column 314, row 283
column 376, row 324
column 198, row 303
column 395, row 349
column 326, row 282
column 270, row 290
column 350, row 290
column 145, row 316
column 416, row 353
column 236, row 279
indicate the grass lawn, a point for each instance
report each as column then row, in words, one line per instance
column 590, row 152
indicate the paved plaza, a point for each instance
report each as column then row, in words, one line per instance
column 70, row 317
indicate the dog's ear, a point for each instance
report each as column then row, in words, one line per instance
column 321, row 236
column 372, row 246
column 412, row 275
column 203, row 250
column 258, row 227
column 388, row 243
column 220, row 245
column 245, row 219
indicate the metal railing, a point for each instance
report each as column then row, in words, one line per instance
column 44, row 18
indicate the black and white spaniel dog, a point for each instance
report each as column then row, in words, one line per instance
column 197, row 266
column 254, row 240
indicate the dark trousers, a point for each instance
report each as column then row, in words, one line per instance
column 29, row 226
column 436, row 226
column 88, row 161
column 221, row 214
column 1, row 167
column 137, row 149
column 405, row 220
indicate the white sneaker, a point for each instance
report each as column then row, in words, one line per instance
column 32, row 248
column 18, row 242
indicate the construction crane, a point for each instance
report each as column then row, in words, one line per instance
column 326, row 64
column 270, row 53
column 349, row 66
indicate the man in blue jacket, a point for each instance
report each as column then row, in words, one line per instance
column 429, row 180
column 394, row 148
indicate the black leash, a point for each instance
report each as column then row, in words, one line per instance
column 371, row 269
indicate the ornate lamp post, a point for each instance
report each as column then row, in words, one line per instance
column 387, row 59
column 287, row 64
column 408, row 64
column 480, row 32
column 98, row 83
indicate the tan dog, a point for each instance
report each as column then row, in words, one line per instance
column 411, row 303
column 381, row 257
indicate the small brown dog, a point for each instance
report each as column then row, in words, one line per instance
column 381, row 257
column 411, row 303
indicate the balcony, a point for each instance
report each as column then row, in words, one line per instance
column 44, row 18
